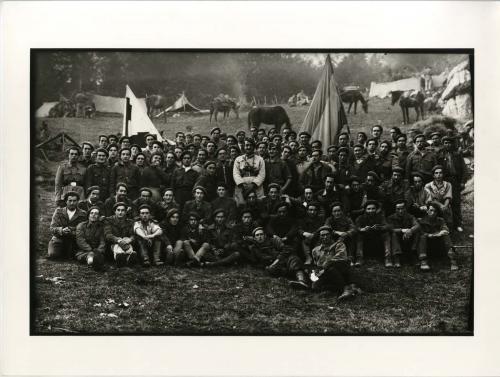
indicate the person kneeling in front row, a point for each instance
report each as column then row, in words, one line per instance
column 331, row 266
column 90, row 240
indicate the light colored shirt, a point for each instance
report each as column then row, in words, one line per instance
column 70, row 213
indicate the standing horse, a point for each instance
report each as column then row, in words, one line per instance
column 275, row 115
column 415, row 100
column 352, row 97
column 224, row 106
column 155, row 104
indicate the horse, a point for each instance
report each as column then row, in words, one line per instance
column 82, row 101
column 352, row 97
column 224, row 106
column 155, row 104
column 415, row 100
column 275, row 115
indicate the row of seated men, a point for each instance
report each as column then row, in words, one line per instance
column 315, row 252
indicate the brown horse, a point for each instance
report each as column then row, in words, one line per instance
column 155, row 104
column 223, row 106
column 275, row 115
column 415, row 100
column 353, row 97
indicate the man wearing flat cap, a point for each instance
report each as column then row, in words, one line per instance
column 62, row 245
column 148, row 235
column 198, row 205
column 119, row 232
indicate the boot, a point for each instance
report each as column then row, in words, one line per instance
column 301, row 282
column 388, row 262
column 397, row 262
column 454, row 265
column 424, row 266
column 359, row 262
column 156, row 254
column 346, row 294
column 132, row 259
column 121, row 259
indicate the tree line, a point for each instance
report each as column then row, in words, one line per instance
column 203, row 75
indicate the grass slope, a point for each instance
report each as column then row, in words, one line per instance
column 239, row 300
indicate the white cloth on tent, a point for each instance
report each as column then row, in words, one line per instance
column 383, row 89
column 43, row 111
column 139, row 120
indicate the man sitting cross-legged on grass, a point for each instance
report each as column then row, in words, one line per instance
column 90, row 240
column 435, row 234
column 148, row 237
column 223, row 249
column 172, row 237
column 330, row 268
column 119, row 232
column 196, row 239
column 372, row 228
column 243, row 235
column 62, row 245
column 308, row 227
column 405, row 231
column 277, row 259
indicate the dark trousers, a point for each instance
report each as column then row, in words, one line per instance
column 147, row 251
column 334, row 278
column 425, row 244
column 456, row 202
column 62, row 247
column 370, row 238
column 398, row 244
column 285, row 265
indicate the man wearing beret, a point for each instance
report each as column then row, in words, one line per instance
column 98, row 174
column 308, row 228
column 421, row 160
column 93, row 200
column 198, row 205
column 331, row 193
column 70, row 176
column 455, row 172
column 372, row 188
column 63, row 228
column 224, row 171
column 268, row 203
column 119, row 232
column 148, row 237
column 201, row 158
column 249, row 172
column 284, row 227
column 304, row 139
column 436, row 142
column 316, row 172
column 401, row 153
column 361, row 165
column 183, row 180
column 355, row 195
column 90, row 240
column 330, row 268
column 120, row 196
column 405, row 231
column 86, row 157
column 223, row 248
column 154, row 176
column 342, row 166
column 215, row 137
column 373, row 229
column 127, row 172
column 277, row 259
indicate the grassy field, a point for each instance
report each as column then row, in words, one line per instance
column 239, row 300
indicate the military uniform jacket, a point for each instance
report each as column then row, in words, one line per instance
column 115, row 228
column 315, row 175
column 228, row 205
column 221, row 237
column 209, row 183
column 61, row 220
column 154, row 176
column 68, row 177
column 377, row 219
column 327, row 198
column 420, row 161
column 99, row 175
column 269, row 250
column 324, row 255
column 125, row 173
column 203, row 209
column 85, row 205
column 200, row 236
column 277, row 171
column 183, row 183
column 434, row 225
column 90, row 236
column 171, row 233
column 407, row 221
column 111, row 201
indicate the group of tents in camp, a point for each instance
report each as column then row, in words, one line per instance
column 324, row 119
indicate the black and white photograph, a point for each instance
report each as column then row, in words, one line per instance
column 269, row 192
column 249, row 188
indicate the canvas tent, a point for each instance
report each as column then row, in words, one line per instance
column 182, row 105
column 106, row 104
column 384, row 89
column 43, row 111
column 135, row 119
column 326, row 115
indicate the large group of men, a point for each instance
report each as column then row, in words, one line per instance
column 272, row 200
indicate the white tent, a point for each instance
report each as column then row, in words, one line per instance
column 107, row 104
column 135, row 119
column 383, row 89
column 182, row 105
column 43, row 111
